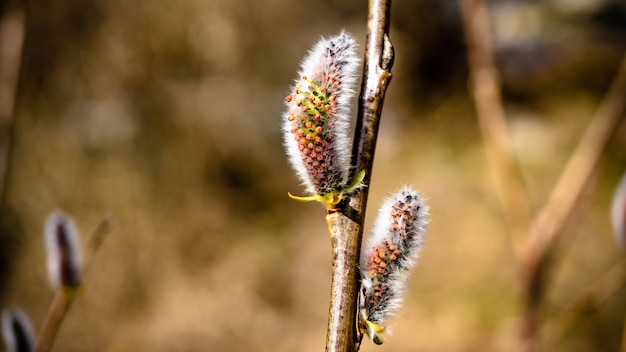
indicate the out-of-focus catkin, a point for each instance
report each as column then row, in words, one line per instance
column 64, row 254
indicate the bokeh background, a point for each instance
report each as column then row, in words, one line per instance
column 166, row 116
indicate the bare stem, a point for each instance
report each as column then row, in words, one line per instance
column 485, row 88
column 547, row 231
column 592, row 298
column 11, row 41
column 61, row 303
column 346, row 225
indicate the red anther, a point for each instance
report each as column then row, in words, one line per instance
column 317, row 117
column 308, row 124
column 289, row 98
column 311, row 145
column 291, row 117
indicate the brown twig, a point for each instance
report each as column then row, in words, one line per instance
column 593, row 297
column 346, row 225
column 547, row 232
column 61, row 303
column 485, row 88
column 11, row 41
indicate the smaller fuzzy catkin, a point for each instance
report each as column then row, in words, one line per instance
column 17, row 331
column 618, row 212
column 389, row 254
column 63, row 248
column 316, row 125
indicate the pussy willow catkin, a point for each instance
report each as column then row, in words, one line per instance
column 316, row 125
column 389, row 254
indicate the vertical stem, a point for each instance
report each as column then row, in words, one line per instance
column 485, row 88
column 61, row 303
column 346, row 247
column 346, row 225
column 547, row 231
column 11, row 41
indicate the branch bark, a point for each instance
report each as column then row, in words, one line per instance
column 346, row 225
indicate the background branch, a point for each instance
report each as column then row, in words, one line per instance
column 547, row 230
column 485, row 89
column 11, row 42
column 346, row 225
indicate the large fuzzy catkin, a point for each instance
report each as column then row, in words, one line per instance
column 389, row 254
column 17, row 331
column 316, row 125
column 63, row 248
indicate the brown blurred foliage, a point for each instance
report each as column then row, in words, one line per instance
column 166, row 116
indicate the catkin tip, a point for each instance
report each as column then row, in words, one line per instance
column 63, row 250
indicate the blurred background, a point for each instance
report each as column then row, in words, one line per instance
column 166, row 117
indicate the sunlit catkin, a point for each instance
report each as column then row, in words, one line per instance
column 17, row 331
column 63, row 248
column 316, row 124
column 388, row 255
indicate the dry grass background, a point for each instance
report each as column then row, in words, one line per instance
column 166, row 116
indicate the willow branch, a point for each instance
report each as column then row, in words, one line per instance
column 547, row 231
column 11, row 42
column 590, row 300
column 485, row 89
column 61, row 303
column 346, row 225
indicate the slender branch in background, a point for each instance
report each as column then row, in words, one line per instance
column 547, row 233
column 346, row 225
column 61, row 302
column 11, row 41
column 485, row 88
column 547, row 229
column 590, row 300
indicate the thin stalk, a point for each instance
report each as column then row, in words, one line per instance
column 61, row 303
column 485, row 89
column 547, row 231
column 346, row 224
column 590, row 300
column 11, row 43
